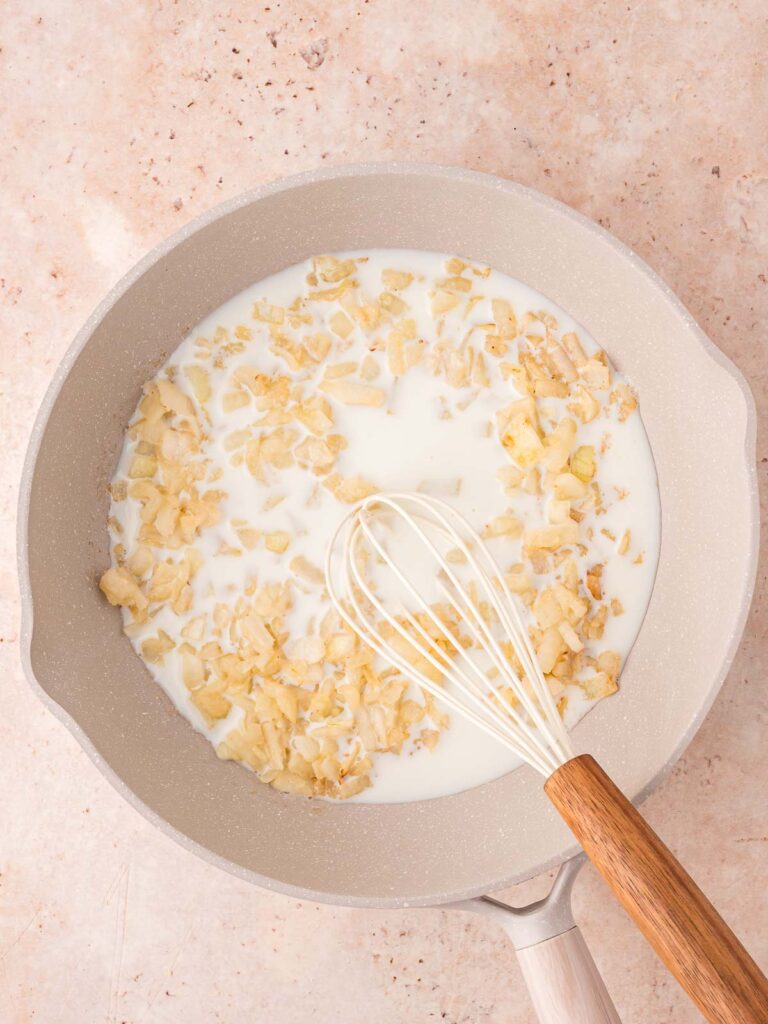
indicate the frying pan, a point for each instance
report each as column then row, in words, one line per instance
column 700, row 419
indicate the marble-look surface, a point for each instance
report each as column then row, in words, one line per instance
column 121, row 121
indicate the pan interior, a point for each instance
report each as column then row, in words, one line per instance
column 425, row 435
column 696, row 415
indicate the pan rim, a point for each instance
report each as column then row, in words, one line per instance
column 157, row 253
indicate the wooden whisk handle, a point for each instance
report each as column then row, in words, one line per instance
column 668, row 907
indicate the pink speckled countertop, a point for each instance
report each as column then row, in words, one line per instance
column 121, row 122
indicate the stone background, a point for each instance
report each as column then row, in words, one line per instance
column 121, row 121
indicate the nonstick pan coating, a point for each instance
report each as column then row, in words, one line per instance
column 700, row 419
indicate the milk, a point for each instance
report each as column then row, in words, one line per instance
column 426, row 437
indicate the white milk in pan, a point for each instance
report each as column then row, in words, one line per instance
column 433, row 431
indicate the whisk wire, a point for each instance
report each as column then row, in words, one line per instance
column 495, row 724
column 524, row 649
column 502, row 712
column 488, row 725
column 533, row 728
column 503, row 707
column 435, row 619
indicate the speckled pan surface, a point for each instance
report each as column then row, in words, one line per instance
column 700, row 419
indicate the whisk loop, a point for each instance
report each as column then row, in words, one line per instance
column 392, row 615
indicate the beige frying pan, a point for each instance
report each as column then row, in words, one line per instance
column 699, row 416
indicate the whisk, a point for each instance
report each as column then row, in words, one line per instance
column 533, row 730
column 419, row 586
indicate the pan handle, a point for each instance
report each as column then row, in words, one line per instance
column 564, row 984
column 563, row 981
